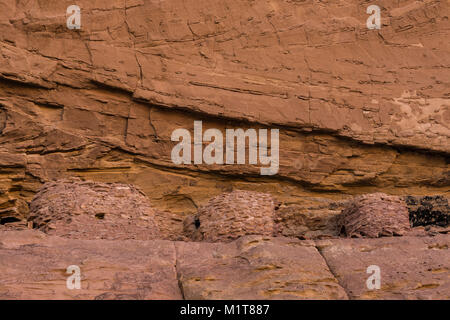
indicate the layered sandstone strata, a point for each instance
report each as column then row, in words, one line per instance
column 358, row 110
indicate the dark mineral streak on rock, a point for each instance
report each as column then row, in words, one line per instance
column 428, row 210
column 2, row 119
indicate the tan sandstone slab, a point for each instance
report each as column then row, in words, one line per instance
column 255, row 267
column 411, row 267
column 33, row 266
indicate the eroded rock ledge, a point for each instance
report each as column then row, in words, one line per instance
column 33, row 266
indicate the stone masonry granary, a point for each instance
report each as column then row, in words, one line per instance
column 232, row 215
column 86, row 210
column 374, row 215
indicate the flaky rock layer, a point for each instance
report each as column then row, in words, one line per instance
column 359, row 111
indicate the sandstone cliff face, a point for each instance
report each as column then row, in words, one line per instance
column 358, row 110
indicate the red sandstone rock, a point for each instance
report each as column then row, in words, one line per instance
column 310, row 218
column 255, row 267
column 410, row 267
column 101, row 102
column 33, row 266
column 357, row 110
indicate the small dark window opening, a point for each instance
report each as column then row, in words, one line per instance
column 100, row 215
column 197, row 223
column 8, row 220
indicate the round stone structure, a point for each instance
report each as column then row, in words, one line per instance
column 78, row 209
column 231, row 215
column 374, row 215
